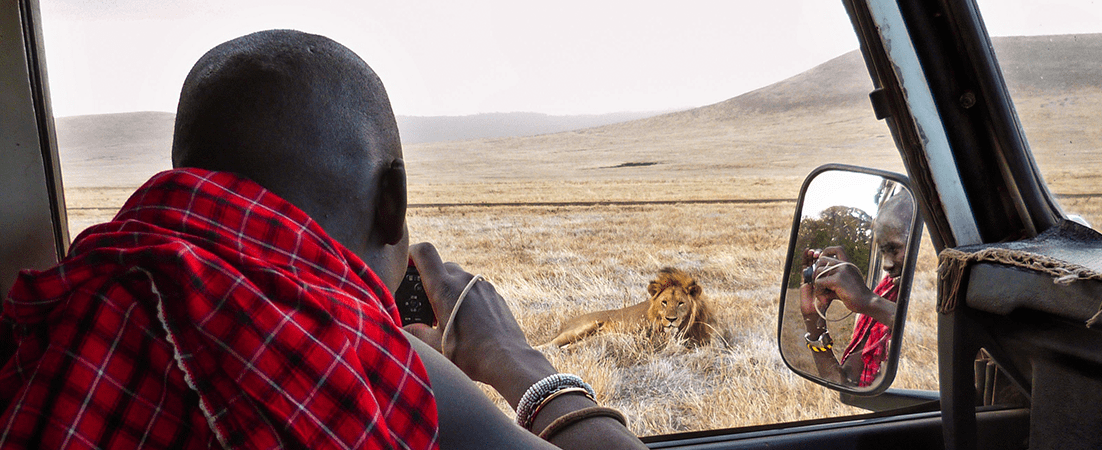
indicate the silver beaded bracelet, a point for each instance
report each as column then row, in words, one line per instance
column 535, row 395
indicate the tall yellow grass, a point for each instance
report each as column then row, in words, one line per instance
column 555, row 262
column 552, row 262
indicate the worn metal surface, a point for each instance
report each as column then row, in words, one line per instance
column 32, row 226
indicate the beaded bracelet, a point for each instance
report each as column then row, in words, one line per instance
column 536, row 395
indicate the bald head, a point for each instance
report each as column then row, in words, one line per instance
column 273, row 103
column 304, row 117
column 897, row 212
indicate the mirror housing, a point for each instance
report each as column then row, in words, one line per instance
column 854, row 243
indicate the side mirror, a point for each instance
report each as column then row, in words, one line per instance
column 847, row 277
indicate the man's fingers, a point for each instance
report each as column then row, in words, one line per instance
column 435, row 274
column 443, row 281
column 427, row 260
column 453, row 268
column 836, row 252
column 824, row 265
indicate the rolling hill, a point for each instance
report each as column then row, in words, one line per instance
column 113, row 149
column 128, row 147
column 790, row 127
column 821, row 115
column 419, row 130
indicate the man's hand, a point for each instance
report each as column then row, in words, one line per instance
column 813, row 254
column 485, row 341
column 812, row 321
column 835, row 279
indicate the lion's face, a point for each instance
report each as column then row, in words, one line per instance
column 674, row 301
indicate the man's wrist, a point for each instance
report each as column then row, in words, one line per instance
column 814, row 324
column 512, row 372
column 545, row 391
column 881, row 309
column 820, row 344
column 869, row 304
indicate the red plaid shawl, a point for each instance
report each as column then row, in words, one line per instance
column 210, row 311
column 873, row 334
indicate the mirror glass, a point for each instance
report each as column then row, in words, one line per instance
column 848, row 272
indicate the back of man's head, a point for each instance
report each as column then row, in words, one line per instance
column 299, row 114
column 279, row 93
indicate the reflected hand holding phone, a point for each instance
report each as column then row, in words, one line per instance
column 848, row 273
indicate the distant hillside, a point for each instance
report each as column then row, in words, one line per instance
column 114, row 149
column 124, row 149
column 821, row 115
column 1051, row 64
column 839, row 83
column 1032, row 65
column 419, row 129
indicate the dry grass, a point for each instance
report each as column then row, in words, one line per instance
column 556, row 261
column 551, row 262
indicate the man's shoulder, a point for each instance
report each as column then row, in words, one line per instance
column 73, row 290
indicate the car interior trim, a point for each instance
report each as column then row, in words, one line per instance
column 943, row 167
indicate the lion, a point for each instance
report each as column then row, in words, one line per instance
column 675, row 306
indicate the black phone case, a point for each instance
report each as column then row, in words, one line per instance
column 413, row 304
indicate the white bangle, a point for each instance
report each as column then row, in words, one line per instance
column 455, row 311
column 535, row 395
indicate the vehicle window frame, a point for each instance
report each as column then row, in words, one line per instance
column 34, row 204
column 43, row 121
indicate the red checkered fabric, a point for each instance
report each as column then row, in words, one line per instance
column 209, row 313
column 875, row 336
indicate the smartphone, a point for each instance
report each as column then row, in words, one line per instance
column 413, row 304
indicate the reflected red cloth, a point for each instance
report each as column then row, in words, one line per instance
column 875, row 336
column 210, row 311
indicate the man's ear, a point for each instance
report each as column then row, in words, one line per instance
column 390, row 215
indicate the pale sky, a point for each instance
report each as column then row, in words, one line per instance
column 446, row 57
column 837, row 188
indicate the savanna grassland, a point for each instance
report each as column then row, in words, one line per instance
column 552, row 262
column 574, row 222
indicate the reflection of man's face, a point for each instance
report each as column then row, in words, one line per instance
column 892, row 241
column 892, row 227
